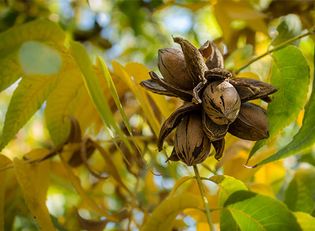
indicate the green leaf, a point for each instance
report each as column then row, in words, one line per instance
column 289, row 27
column 228, row 185
column 139, row 93
column 306, row 221
column 300, row 194
column 93, row 86
column 39, row 59
column 304, row 139
column 113, row 91
column 290, row 75
column 40, row 30
column 12, row 39
column 26, row 100
column 10, row 70
column 60, row 105
column 82, row 59
column 252, row 211
column 227, row 223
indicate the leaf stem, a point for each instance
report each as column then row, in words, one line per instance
column 204, row 198
column 280, row 46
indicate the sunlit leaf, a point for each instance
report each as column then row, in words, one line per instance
column 10, row 70
column 306, row 221
column 263, row 189
column 179, row 183
column 164, row 215
column 140, row 95
column 252, row 211
column 289, row 27
column 241, row 10
column 140, row 72
column 60, row 105
column 300, row 194
column 34, row 180
column 304, row 139
column 11, row 40
column 110, row 84
column 39, row 59
column 89, row 202
column 92, row 83
column 41, row 30
column 234, row 165
column 228, row 185
column 151, row 190
column 290, row 75
column 269, row 178
column 4, row 163
column 26, row 100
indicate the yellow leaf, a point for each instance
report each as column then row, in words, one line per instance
column 270, row 173
column 263, row 189
column 102, row 67
column 234, row 166
column 163, row 217
column 61, row 102
column 199, row 216
column 140, row 73
column 151, row 191
column 179, row 183
column 228, row 10
column 140, row 95
column 92, row 84
column 36, row 154
column 4, row 163
column 27, row 98
column 202, row 226
column 299, row 120
column 305, row 220
column 2, row 198
column 75, row 181
column 111, row 167
column 34, row 180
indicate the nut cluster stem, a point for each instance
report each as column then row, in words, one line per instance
column 204, row 198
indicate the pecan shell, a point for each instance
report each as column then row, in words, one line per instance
column 251, row 124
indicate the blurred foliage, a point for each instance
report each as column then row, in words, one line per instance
column 79, row 133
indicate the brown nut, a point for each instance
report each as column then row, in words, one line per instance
column 172, row 66
column 251, row 123
column 195, row 64
column 221, row 102
column 191, row 145
column 212, row 130
column 212, row 54
column 219, row 148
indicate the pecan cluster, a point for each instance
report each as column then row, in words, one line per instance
column 215, row 102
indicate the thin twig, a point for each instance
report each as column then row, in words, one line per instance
column 204, row 198
column 132, row 138
column 282, row 45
